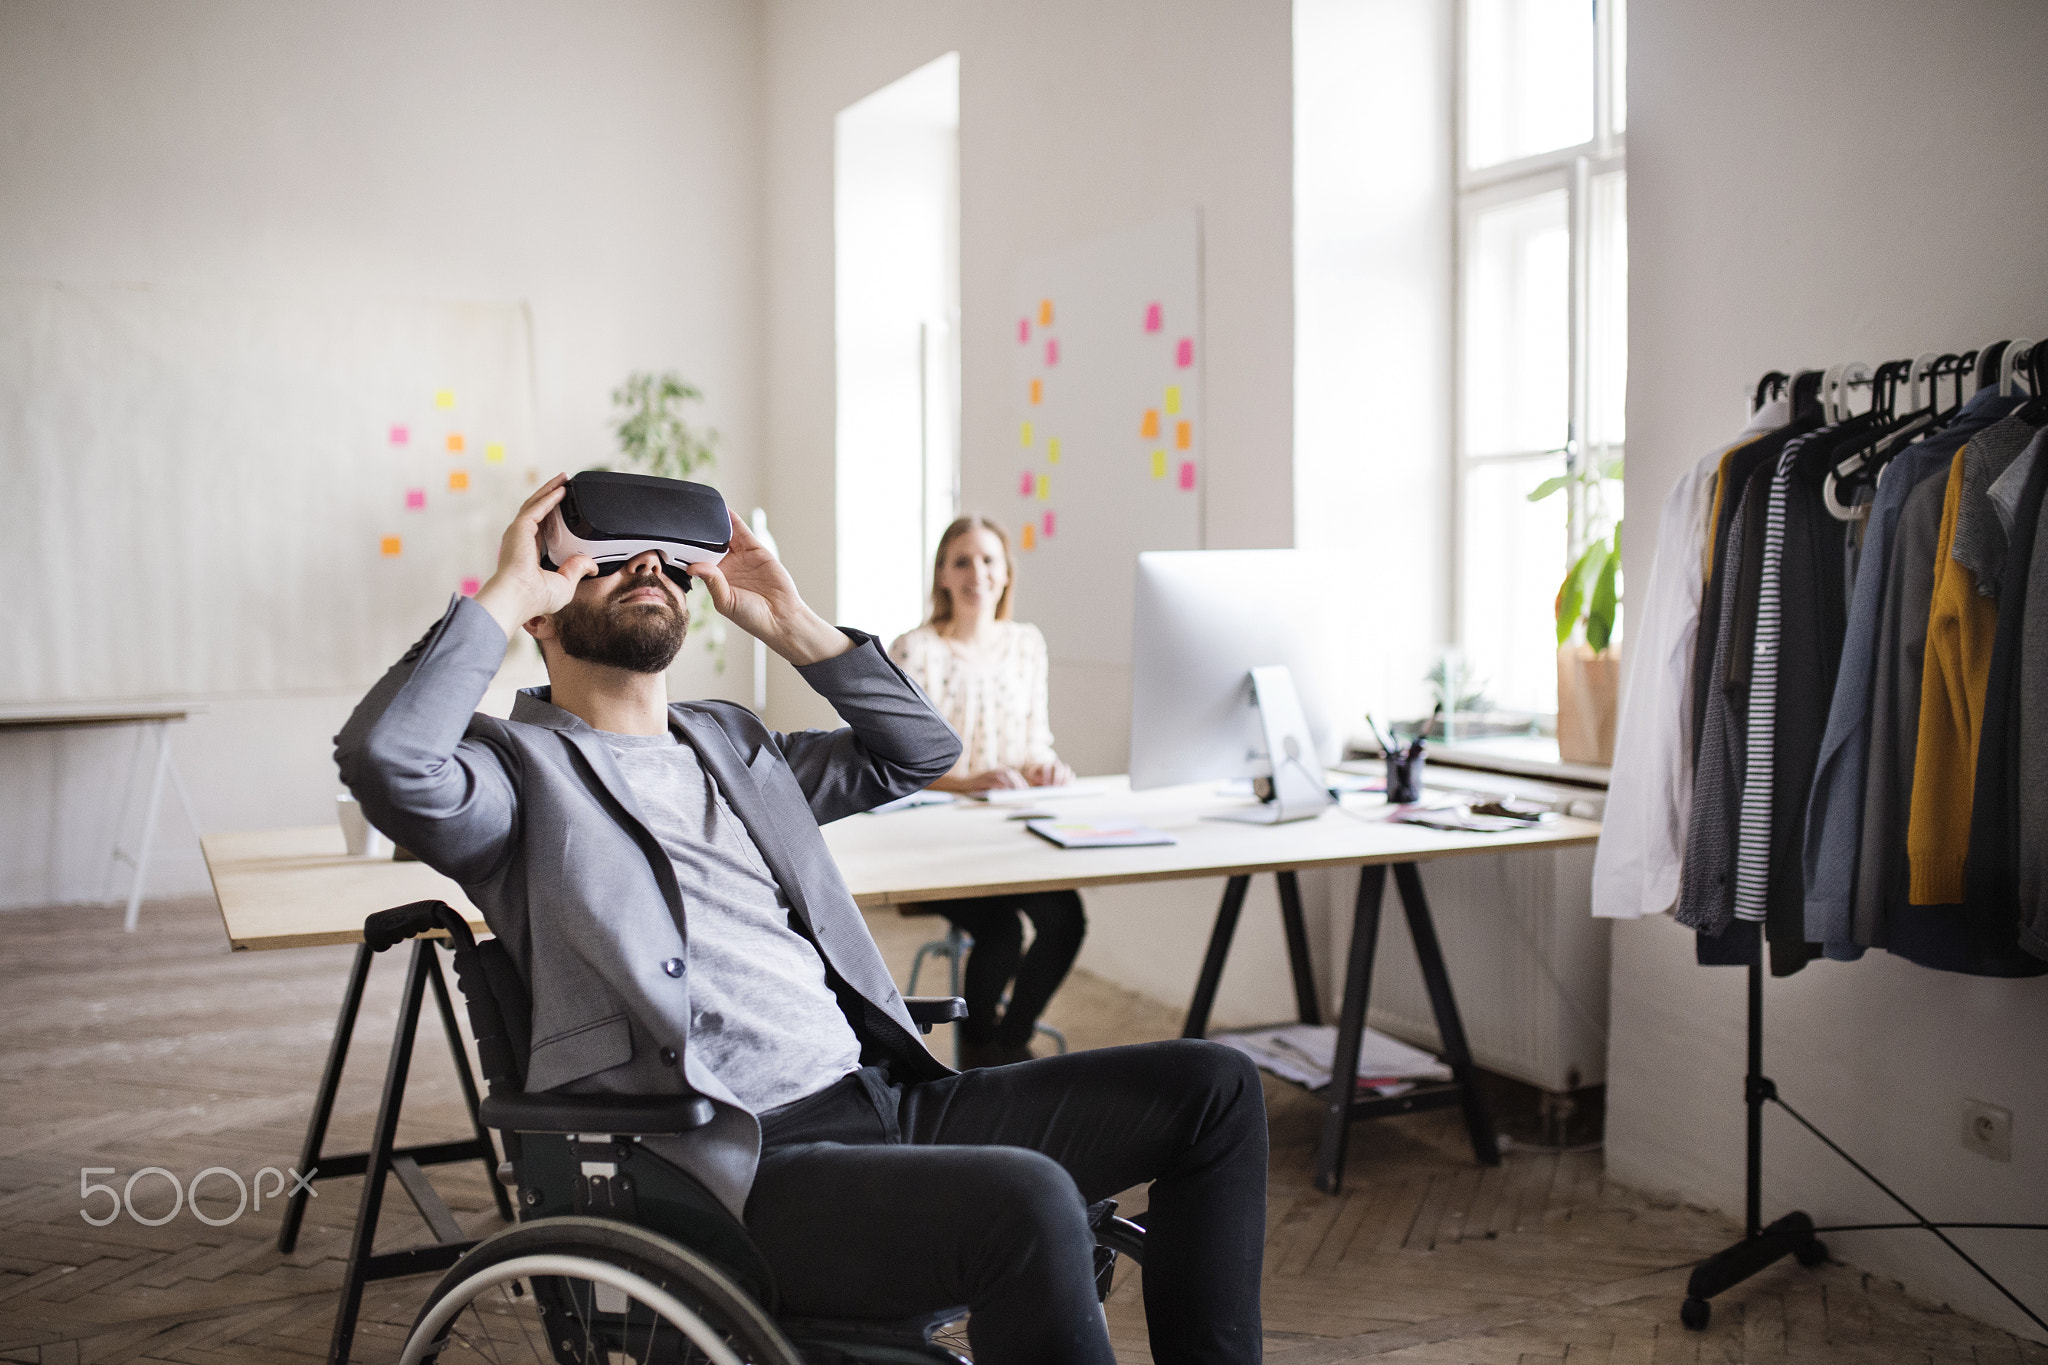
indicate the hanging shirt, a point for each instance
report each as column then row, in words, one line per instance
column 1649, row 796
column 995, row 697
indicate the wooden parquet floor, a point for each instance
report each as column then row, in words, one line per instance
column 162, row 1049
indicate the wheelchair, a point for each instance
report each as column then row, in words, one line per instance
column 620, row 1255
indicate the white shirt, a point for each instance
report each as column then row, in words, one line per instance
column 1649, row 795
column 994, row 696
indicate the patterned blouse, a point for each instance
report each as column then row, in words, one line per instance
column 996, row 700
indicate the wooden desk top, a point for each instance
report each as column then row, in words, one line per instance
column 295, row 888
column 70, row 715
column 971, row 849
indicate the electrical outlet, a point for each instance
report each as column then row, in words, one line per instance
column 1987, row 1130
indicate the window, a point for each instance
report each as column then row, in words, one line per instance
column 896, row 229
column 1542, row 319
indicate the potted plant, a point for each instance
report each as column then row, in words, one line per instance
column 655, row 437
column 1588, row 602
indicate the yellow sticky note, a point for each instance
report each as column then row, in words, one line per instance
column 1173, row 398
column 1052, row 449
column 1027, row 433
column 454, row 443
column 1037, row 390
column 1150, row 426
column 390, row 546
column 1183, row 435
column 495, row 452
column 1030, row 536
column 444, row 398
column 1044, row 487
column 1045, row 312
column 1158, row 464
column 458, row 481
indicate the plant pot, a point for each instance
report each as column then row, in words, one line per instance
column 1588, row 696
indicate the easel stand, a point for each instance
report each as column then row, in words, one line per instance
column 1795, row 1234
column 1341, row 1105
column 384, row 1156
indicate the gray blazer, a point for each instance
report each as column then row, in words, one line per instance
column 532, row 816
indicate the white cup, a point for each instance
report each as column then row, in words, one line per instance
column 364, row 839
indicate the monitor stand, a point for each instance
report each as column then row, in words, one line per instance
column 1299, row 792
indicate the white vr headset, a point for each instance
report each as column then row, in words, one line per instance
column 614, row 517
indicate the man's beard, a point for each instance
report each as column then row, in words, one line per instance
column 640, row 637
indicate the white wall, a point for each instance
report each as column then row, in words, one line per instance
column 598, row 162
column 1076, row 120
column 1810, row 185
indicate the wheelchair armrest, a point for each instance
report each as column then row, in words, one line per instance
column 388, row 927
column 927, row 1010
column 642, row 1115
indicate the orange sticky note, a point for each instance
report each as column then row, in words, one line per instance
column 454, row 443
column 1025, row 434
column 1045, row 312
column 390, row 546
column 1044, row 487
column 458, row 481
column 1150, row 426
column 1030, row 540
column 1052, row 449
column 495, row 452
column 1158, row 464
column 1037, row 390
column 444, row 398
column 1183, row 435
column 1172, row 398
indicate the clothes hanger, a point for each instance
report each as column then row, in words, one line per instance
column 1773, row 382
column 1921, row 373
column 1988, row 361
column 2035, row 412
column 1805, row 392
column 2015, row 350
column 1888, row 433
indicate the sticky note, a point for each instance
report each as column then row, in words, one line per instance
column 1173, row 398
column 1184, row 354
column 400, row 435
column 1023, row 330
column 1030, row 540
column 469, row 587
column 1026, row 433
column 1151, row 317
column 1037, row 390
column 1045, row 312
column 1187, row 476
column 1052, row 449
column 1158, row 464
column 1048, row 523
column 390, row 546
column 1183, row 435
column 495, row 452
column 1024, row 485
column 444, row 398
column 1149, row 427
column 1044, row 487
column 415, row 499
column 454, row 443
column 1052, row 351
column 458, row 481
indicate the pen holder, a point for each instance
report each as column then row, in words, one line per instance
column 1404, row 778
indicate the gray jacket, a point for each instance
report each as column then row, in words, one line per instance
column 533, row 818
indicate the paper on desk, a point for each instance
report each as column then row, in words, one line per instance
column 923, row 798
column 1026, row 796
column 1301, row 1053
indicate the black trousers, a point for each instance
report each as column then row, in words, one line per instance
column 878, row 1200
column 1057, row 925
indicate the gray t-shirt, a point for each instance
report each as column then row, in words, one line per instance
column 761, row 1015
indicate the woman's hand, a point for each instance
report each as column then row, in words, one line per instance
column 521, row 589
column 989, row 779
column 752, row 590
column 1049, row 774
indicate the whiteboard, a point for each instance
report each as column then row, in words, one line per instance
column 216, row 493
column 1107, row 394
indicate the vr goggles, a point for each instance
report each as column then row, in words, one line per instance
column 613, row 517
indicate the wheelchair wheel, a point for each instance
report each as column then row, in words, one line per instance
column 589, row 1291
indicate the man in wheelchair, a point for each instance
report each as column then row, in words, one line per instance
column 657, row 874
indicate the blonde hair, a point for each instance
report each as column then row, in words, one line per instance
column 942, row 598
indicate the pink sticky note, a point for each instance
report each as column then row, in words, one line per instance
column 1151, row 317
column 469, row 587
column 415, row 499
column 1026, row 485
column 1023, row 330
column 1184, row 354
column 1187, row 476
column 399, row 435
column 1052, row 351
column 1049, row 523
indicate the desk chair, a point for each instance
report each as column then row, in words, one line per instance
column 954, row 948
column 620, row 1255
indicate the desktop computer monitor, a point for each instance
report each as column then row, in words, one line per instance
column 1203, row 621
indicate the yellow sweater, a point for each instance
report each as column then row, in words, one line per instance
column 1953, row 677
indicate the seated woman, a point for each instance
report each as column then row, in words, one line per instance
column 986, row 674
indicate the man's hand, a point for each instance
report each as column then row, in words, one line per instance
column 521, row 589
column 752, row 590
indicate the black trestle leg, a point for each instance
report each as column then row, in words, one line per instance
column 1365, row 938
column 1307, row 1008
column 323, row 1102
column 1197, row 1023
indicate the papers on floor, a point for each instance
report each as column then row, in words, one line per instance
column 1098, row 833
column 1301, row 1053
